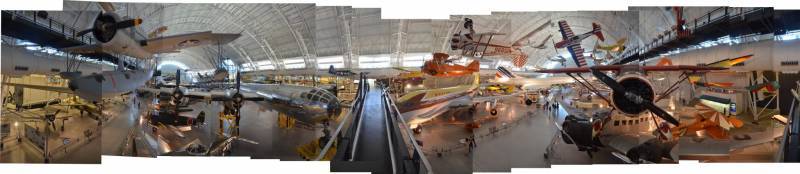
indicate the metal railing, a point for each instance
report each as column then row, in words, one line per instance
column 789, row 150
column 422, row 164
column 69, row 32
column 722, row 13
column 355, row 109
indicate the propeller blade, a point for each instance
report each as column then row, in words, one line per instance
column 127, row 23
column 610, row 82
column 238, row 80
column 660, row 113
column 107, row 7
column 617, row 88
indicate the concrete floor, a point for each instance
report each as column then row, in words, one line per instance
column 68, row 146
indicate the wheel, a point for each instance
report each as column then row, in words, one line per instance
column 494, row 112
column 528, row 102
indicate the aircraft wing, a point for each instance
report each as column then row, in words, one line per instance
column 42, row 87
column 577, row 55
column 622, row 143
column 566, row 31
column 177, row 42
column 84, row 49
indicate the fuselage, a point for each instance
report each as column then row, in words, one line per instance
column 306, row 104
column 420, row 106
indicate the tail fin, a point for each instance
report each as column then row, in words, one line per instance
column 727, row 63
column 475, row 66
column 596, row 31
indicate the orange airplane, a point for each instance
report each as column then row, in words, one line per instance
column 440, row 66
column 710, row 119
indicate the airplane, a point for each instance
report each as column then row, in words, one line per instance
column 470, row 46
column 503, row 76
column 573, row 42
column 616, row 48
column 441, row 66
column 713, row 116
column 421, row 106
column 108, row 29
column 306, row 104
column 631, row 95
column 346, row 73
column 559, row 59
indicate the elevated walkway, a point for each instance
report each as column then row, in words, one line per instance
column 720, row 22
column 374, row 138
column 37, row 27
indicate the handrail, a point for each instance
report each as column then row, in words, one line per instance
column 413, row 140
column 700, row 22
column 358, row 101
column 388, row 130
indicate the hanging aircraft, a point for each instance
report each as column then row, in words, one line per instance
column 573, row 42
column 109, row 30
column 442, row 66
column 345, row 73
column 472, row 48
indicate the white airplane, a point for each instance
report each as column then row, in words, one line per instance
column 506, row 77
column 421, row 106
column 108, row 30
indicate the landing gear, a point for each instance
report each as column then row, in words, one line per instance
column 528, row 102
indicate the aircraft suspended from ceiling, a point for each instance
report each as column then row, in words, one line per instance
column 108, row 28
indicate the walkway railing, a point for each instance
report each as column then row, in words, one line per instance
column 353, row 116
column 403, row 134
column 690, row 27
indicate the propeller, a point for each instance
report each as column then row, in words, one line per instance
column 649, row 105
column 177, row 94
column 237, row 97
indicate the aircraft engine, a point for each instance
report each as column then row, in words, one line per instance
column 636, row 85
column 102, row 27
column 579, row 129
column 652, row 150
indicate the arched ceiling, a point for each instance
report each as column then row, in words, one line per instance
column 275, row 32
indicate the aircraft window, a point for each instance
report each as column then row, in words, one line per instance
column 55, row 70
column 616, row 122
column 624, row 123
column 630, row 122
column 20, row 68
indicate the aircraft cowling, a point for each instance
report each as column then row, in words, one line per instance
column 101, row 27
column 652, row 150
column 637, row 85
column 580, row 129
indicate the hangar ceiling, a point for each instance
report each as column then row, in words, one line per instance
column 288, row 36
